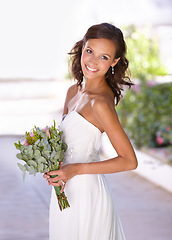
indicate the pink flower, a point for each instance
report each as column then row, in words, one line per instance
column 150, row 83
column 153, row 150
column 136, row 88
column 26, row 143
column 47, row 132
column 159, row 140
column 168, row 128
column 165, row 153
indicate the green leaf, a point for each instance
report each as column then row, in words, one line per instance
column 58, row 147
column 48, row 147
column 41, row 167
column 36, row 143
column 41, row 160
column 53, row 154
column 18, row 146
column 64, row 146
column 57, row 155
column 29, row 148
column 32, row 163
column 56, row 163
column 52, row 141
column 45, row 141
column 46, row 168
column 25, row 158
column 21, row 167
column 30, row 153
column 36, row 154
column 19, row 156
column 61, row 156
column 47, row 153
column 32, row 170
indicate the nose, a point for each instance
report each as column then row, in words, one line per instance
column 93, row 60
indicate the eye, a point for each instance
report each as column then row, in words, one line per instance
column 89, row 51
column 104, row 58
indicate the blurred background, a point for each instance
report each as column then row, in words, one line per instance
column 35, row 37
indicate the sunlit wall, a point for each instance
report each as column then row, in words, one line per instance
column 37, row 34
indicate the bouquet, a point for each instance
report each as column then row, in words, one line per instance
column 42, row 151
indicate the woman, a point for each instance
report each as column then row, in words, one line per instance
column 89, row 111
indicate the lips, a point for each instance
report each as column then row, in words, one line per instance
column 91, row 69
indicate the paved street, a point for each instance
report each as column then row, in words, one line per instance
column 145, row 210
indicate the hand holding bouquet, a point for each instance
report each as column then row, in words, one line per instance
column 42, row 151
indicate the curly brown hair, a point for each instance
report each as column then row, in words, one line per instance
column 119, row 78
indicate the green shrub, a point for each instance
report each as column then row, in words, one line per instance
column 145, row 111
column 143, row 53
column 147, row 116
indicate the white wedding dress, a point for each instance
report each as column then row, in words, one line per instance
column 91, row 215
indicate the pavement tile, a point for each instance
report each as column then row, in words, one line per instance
column 145, row 209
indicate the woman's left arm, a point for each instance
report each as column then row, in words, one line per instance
column 126, row 158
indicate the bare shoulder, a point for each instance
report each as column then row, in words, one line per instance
column 72, row 91
column 103, row 105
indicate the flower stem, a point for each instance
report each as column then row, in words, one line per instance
column 61, row 197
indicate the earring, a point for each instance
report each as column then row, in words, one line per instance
column 113, row 70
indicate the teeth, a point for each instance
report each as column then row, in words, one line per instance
column 91, row 69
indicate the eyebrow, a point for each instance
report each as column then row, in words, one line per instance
column 102, row 53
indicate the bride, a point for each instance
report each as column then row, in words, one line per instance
column 99, row 65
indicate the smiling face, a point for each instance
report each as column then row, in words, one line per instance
column 97, row 57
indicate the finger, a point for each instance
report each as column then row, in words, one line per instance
column 54, row 179
column 53, row 183
column 45, row 175
column 57, row 184
column 53, row 173
column 62, row 189
column 48, row 183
